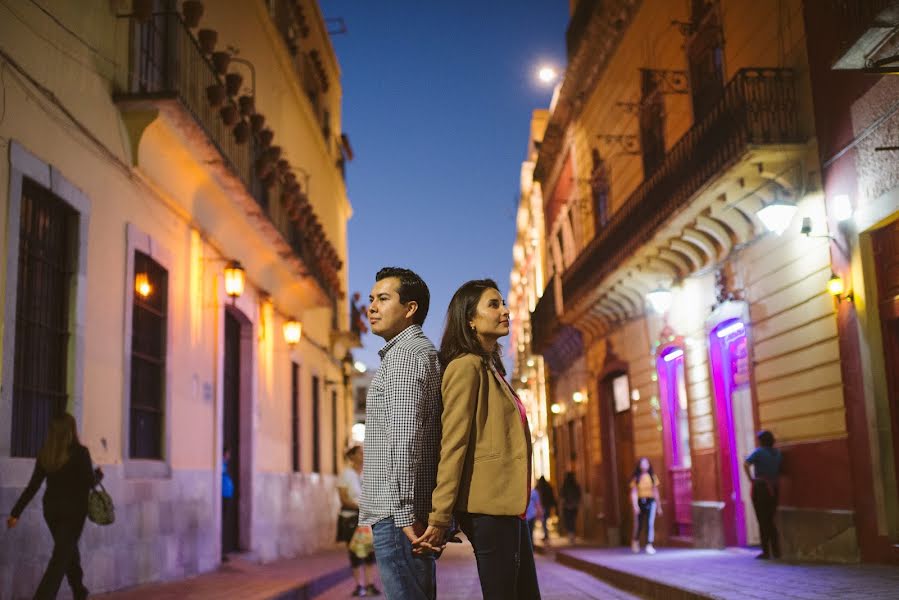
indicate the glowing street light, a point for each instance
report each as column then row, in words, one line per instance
column 547, row 75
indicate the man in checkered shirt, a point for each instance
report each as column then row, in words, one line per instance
column 402, row 435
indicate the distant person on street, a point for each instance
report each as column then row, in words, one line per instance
column 534, row 512
column 402, row 436
column 548, row 501
column 485, row 459
column 349, row 487
column 765, row 462
column 571, row 502
column 66, row 465
column 228, row 508
column 646, row 504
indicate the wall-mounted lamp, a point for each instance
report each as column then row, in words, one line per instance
column 530, row 362
column 556, row 408
column 836, row 287
column 842, row 208
column 579, row 397
column 660, row 300
column 293, row 332
column 235, row 279
column 142, row 285
column 360, row 366
column 777, row 215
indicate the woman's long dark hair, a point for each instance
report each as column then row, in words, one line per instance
column 458, row 336
column 638, row 471
column 62, row 436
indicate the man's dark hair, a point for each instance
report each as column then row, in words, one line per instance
column 765, row 438
column 412, row 288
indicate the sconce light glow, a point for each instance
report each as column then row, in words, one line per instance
column 674, row 355
column 555, row 408
column 660, row 300
column 579, row 397
column 530, row 362
column 835, row 285
column 777, row 216
column 358, row 432
column 842, row 208
column 360, row 366
column 547, row 74
column 293, row 332
column 142, row 285
column 234, row 279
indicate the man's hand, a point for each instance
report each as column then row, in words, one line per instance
column 413, row 531
column 434, row 537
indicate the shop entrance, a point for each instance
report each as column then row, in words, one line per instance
column 729, row 354
column 676, row 432
column 618, row 454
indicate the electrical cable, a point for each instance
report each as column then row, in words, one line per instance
column 73, row 34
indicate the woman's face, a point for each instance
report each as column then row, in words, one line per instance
column 644, row 464
column 491, row 317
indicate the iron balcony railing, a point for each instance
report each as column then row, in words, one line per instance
column 757, row 107
column 167, row 63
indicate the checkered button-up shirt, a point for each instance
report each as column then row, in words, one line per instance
column 402, row 432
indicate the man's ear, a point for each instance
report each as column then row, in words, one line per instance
column 411, row 308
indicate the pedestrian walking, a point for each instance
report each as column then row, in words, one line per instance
column 67, row 467
column 571, row 502
column 765, row 462
column 485, row 460
column 534, row 512
column 228, row 508
column 646, row 504
column 402, row 436
column 548, row 501
column 349, row 487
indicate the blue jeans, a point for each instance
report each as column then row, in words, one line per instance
column 502, row 549
column 405, row 576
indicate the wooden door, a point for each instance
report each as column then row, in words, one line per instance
column 886, row 259
column 624, row 443
column 231, row 432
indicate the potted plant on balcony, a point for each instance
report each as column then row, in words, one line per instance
column 274, row 153
column 221, row 60
column 242, row 132
column 193, row 12
column 233, row 82
column 265, row 137
column 256, row 122
column 283, row 167
column 142, row 10
column 215, row 94
column 208, row 38
column 229, row 114
column 263, row 166
column 247, row 105
column 269, row 180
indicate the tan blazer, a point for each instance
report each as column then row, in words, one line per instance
column 485, row 454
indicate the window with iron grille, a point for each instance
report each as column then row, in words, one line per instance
column 148, row 358
column 705, row 55
column 316, row 426
column 599, row 189
column 47, row 255
column 295, row 415
column 652, row 123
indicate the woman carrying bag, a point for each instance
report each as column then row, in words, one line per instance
column 66, row 465
column 484, row 474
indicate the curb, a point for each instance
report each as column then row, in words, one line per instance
column 629, row 582
column 314, row 587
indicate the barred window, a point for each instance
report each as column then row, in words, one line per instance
column 652, row 123
column 295, row 415
column 316, row 427
column 47, row 255
column 148, row 358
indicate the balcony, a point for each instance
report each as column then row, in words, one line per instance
column 578, row 25
column 865, row 26
column 168, row 75
column 560, row 344
column 757, row 108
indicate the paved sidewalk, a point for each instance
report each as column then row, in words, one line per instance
column 304, row 577
column 730, row 575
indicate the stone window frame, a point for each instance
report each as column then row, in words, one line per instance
column 139, row 468
column 25, row 164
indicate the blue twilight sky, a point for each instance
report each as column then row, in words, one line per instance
column 437, row 103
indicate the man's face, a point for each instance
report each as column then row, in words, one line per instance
column 387, row 315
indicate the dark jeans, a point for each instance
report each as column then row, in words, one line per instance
column 764, row 500
column 502, row 549
column 569, row 519
column 647, row 516
column 65, row 560
column 405, row 576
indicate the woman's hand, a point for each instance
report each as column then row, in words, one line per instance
column 659, row 510
column 636, row 509
column 433, row 538
column 11, row 522
column 98, row 474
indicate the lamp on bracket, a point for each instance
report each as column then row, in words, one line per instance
column 660, row 300
column 777, row 215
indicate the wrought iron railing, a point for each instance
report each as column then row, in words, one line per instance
column 758, row 106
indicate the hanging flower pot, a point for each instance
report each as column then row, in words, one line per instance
column 142, row 10
column 303, row 199
column 247, row 105
column 274, row 153
column 265, row 138
column 232, row 83
column 269, row 180
column 208, row 38
column 193, row 12
column 229, row 114
column 221, row 60
column 283, row 166
column 215, row 93
column 256, row 122
column 263, row 166
column 242, row 132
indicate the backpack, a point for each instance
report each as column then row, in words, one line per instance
column 99, row 506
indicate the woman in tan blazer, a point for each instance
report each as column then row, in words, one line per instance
column 484, row 474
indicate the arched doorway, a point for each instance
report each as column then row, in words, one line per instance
column 676, row 437
column 730, row 369
column 616, row 425
column 237, row 377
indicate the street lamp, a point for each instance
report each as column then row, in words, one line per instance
column 235, row 278
column 660, row 300
column 293, row 332
column 777, row 215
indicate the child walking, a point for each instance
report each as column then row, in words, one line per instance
column 645, row 499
